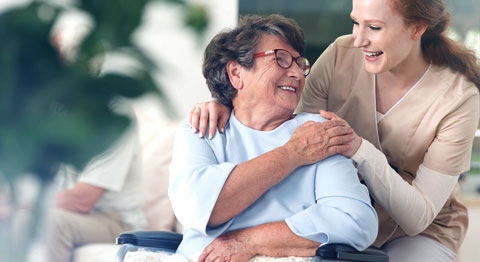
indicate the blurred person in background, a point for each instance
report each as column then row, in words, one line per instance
column 98, row 203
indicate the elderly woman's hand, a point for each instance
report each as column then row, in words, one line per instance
column 314, row 141
column 233, row 246
column 208, row 113
column 350, row 146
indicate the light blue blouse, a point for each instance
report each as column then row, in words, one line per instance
column 324, row 202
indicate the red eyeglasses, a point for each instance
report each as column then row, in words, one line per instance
column 285, row 60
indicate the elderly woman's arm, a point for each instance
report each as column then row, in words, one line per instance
column 273, row 239
column 341, row 214
column 196, row 166
column 252, row 178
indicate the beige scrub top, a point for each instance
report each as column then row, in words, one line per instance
column 426, row 139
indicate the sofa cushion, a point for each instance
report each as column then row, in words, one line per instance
column 156, row 137
column 96, row 253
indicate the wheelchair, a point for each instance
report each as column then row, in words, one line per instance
column 169, row 242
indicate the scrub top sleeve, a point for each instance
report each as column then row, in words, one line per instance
column 342, row 212
column 196, row 180
column 414, row 206
column 450, row 151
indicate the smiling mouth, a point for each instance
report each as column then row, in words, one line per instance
column 373, row 54
column 288, row 88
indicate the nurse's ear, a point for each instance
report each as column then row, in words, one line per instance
column 234, row 71
column 418, row 29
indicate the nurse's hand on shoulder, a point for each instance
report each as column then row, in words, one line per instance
column 208, row 114
column 346, row 146
column 314, row 141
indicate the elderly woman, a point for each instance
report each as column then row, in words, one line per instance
column 233, row 201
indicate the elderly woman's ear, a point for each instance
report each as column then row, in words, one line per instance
column 234, row 73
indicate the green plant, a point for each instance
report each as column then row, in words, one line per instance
column 475, row 170
column 53, row 111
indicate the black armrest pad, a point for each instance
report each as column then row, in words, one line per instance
column 171, row 241
column 159, row 239
column 348, row 253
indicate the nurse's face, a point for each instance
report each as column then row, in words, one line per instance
column 386, row 41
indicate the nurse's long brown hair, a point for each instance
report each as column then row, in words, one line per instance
column 436, row 46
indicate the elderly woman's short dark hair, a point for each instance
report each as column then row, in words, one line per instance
column 239, row 45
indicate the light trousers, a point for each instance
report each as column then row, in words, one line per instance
column 67, row 230
column 417, row 249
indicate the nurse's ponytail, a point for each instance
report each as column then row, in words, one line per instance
column 436, row 46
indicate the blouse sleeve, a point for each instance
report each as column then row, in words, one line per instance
column 342, row 212
column 196, row 180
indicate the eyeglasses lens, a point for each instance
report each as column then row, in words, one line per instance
column 304, row 64
column 285, row 60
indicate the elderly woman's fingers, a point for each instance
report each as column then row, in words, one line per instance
column 217, row 259
column 213, row 257
column 338, row 149
column 314, row 141
column 307, row 143
column 227, row 248
column 205, row 253
column 340, row 132
column 329, row 115
column 334, row 119
column 340, row 140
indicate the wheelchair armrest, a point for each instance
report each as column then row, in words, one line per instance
column 341, row 252
column 157, row 239
column 169, row 241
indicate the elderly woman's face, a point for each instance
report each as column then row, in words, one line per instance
column 269, row 85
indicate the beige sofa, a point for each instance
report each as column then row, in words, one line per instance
column 156, row 136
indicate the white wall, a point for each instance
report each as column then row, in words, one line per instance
column 176, row 49
column 179, row 51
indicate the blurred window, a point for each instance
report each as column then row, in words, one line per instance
column 324, row 20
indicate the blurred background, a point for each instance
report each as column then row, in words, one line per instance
column 150, row 52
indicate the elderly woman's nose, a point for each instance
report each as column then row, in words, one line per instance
column 295, row 71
